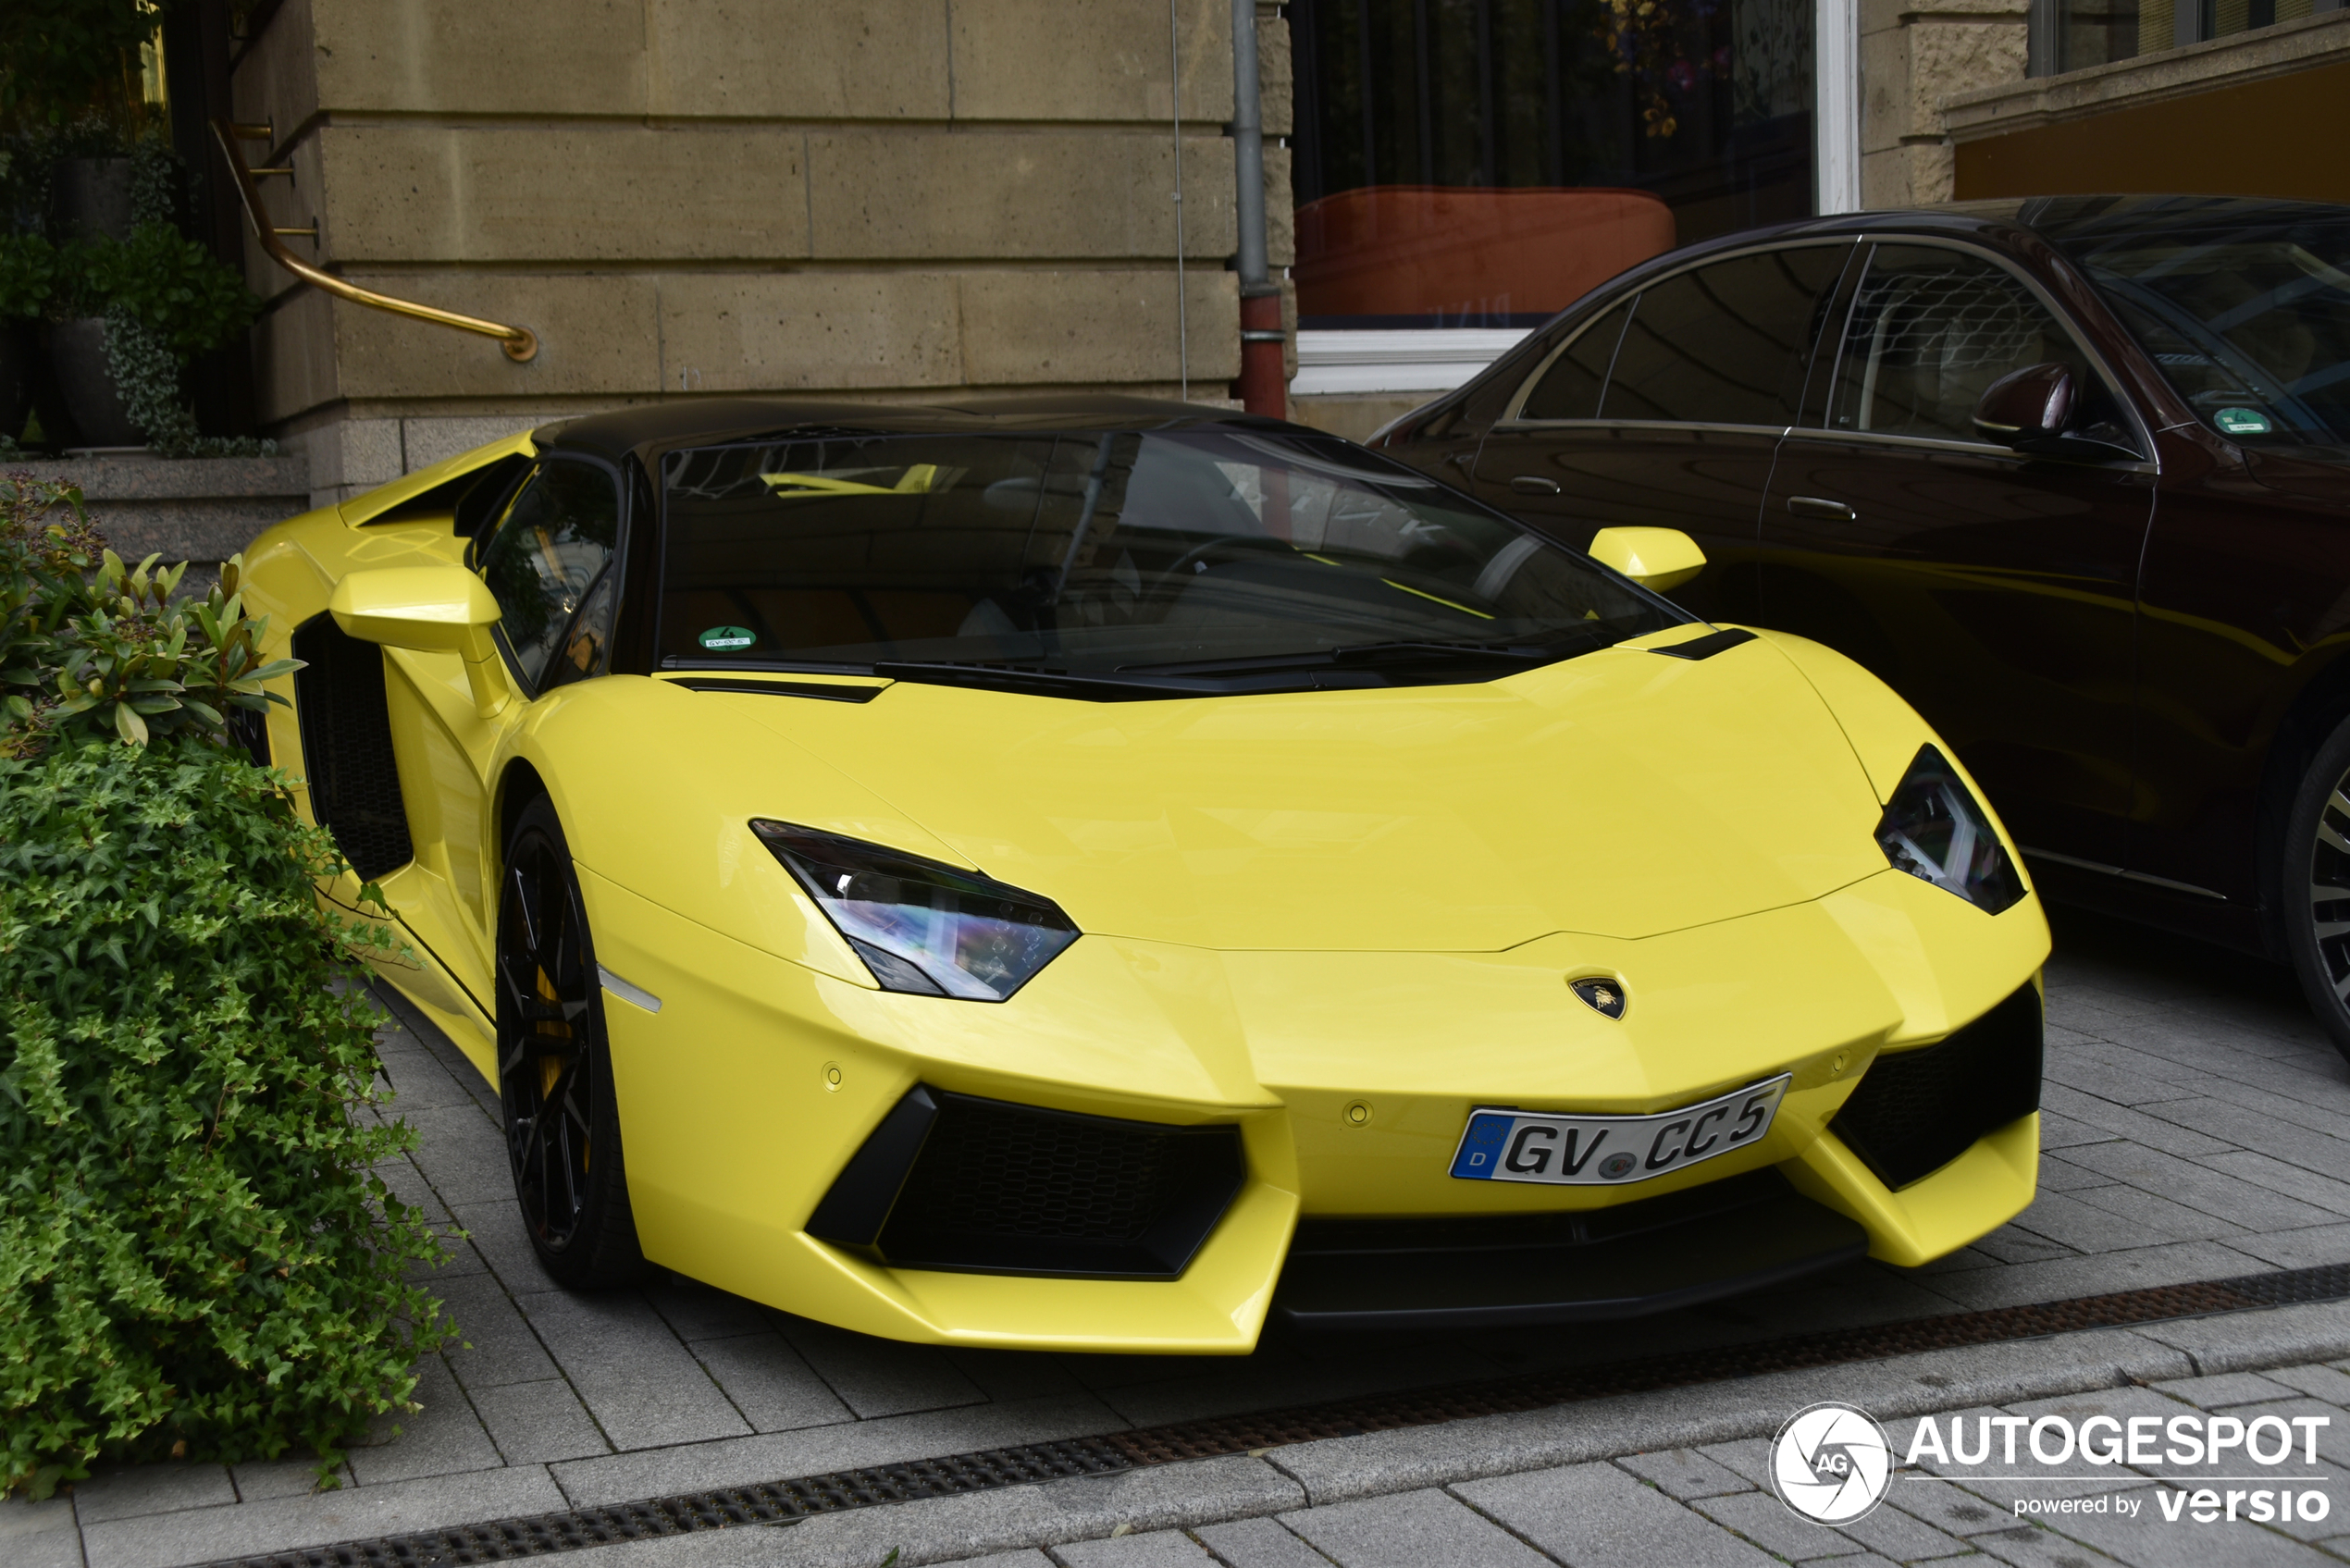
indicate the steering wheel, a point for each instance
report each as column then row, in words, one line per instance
column 1260, row 541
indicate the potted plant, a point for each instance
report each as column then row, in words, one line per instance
column 28, row 275
column 127, row 317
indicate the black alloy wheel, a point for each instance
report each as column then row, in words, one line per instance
column 2316, row 885
column 554, row 1067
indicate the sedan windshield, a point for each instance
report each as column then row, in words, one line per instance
column 1190, row 560
column 2248, row 315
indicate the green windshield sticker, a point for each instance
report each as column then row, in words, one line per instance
column 2241, row 422
column 727, row 639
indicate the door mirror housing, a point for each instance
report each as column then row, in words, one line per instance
column 1658, row 559
column 2028, row 406
column 429, row 609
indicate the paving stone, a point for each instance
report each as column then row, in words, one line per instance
column 644, row 1388
column 462, row 1154
column 2327, row 1383
column 2149, row 1541
column 1421, row 1529
column 1685, row 1473
column 1258, row 1543
column 443, row 1437
column 2296, row 1249
column 695, row 1310
column 286, row 1524
column 151, row 1488
column 1016, row 1374
column 1902, row 1537
column 2226, row 1388
column 880, row 1377
column 1027, row 1557
column 497, row 1234
column 766, row 1380
column 2080, row 1221
column 1943, row 1505
column 496, row 1343
column 2277, row 1176
column 42, row 1535
column 1155, row 1548
column 1596, row 1516
column 539, row 1423
column 2092, row 1070
column 287, row 1477
column 2200, row 1187
column 2062, row 1132
column 2135, row 1128
column 2058, row 1279
column 2015, row 1242
column 2279, row 1337
column 1762, row 1518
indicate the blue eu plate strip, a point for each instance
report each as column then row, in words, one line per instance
column 1481, row 1151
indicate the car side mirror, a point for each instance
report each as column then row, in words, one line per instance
column 429, row 609
column 2027, row 406
column 1658, row 559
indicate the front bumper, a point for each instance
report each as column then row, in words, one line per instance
column 1345, row 1077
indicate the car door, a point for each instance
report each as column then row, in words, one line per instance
column 1994, row 590
column 1666, row 410
column 548, row 561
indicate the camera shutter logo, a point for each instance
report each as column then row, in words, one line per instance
column 1830, row 1462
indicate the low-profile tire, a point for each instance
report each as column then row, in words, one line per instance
column 2314, row 890
column 554, row 1067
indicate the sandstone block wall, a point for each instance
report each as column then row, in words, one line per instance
column 899, row 198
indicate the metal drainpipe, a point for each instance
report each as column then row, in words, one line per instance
column 1260, row 388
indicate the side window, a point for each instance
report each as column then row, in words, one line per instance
column 1930, row 328
column 1725, row 344
column 1570, row 388
column 549, row 551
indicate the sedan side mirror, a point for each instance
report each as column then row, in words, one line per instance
column 1658, row 559
column 2031, row 404
column 429, row 609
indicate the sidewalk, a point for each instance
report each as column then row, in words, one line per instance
column 2196, row 1125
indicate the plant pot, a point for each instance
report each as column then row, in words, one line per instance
column 90, row 198
column 78, row 367
column 20, row 367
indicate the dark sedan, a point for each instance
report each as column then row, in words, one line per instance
column 2071, row 474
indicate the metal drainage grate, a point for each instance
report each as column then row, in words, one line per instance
column 781, row 1502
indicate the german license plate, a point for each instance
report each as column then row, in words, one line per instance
column 1580, row 1150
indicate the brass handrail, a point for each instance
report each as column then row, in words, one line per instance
column 520, row 343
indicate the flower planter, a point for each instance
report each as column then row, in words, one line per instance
column 91, row 198
column 20, row 366
column 78, row 366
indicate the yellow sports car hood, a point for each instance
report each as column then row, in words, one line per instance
column 1622, row 794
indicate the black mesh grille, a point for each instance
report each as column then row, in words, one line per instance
column 346, row 748
column 1916, row 1111
column 1011, row 1188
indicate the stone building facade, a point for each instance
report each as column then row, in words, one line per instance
column 902, row 199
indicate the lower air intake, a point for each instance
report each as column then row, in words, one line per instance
column 955, row 1182
column 346, row 748
column 1916, row 1111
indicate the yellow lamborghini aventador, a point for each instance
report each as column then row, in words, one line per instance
column 1090, row 874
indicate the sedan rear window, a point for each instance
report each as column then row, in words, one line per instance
column 1119, row 556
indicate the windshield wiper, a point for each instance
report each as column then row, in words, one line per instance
column 1039, row 681
column 1375, row 654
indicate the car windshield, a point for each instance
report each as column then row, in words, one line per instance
column 1134, row 557
column 2249, row 316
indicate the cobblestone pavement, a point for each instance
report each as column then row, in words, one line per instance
column 2197, row 1126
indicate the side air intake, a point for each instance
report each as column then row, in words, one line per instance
column 346, row 748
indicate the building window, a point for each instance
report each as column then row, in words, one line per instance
column 1481, row 163
column 2081, row 33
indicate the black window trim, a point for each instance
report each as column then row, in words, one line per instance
column 2063, row 318
column 530, row 691
column 1511, row 418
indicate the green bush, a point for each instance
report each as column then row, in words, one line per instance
column 28, row 273
column 195, row 1256
column 166, row 281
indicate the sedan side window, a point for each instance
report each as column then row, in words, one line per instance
column 1570, row 388
column 551, row 549
column 1727, row 343
column 1930, row 328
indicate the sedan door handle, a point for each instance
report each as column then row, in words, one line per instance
column 1819, row 506
column 1534, row 485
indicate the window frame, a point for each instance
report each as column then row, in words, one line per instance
column 1511, row 419
column 530, row 689
column 1833, row 363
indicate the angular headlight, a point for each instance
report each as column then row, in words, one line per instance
column 1933, row 828
column 921, row 926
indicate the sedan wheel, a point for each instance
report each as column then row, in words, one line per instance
column 554, row 1069
column 2317, row 885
